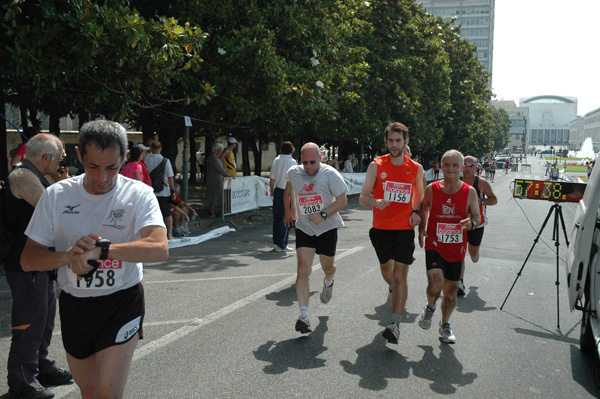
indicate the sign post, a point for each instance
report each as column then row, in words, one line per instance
column 186, row 158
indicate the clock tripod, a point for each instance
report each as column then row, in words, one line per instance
column 555, row 210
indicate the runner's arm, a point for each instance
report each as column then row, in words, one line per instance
column 486, row 189
column 425, row 207
column 365, row 198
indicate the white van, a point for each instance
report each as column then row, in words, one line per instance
column 583, row 269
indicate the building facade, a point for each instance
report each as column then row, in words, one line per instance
column 591, row 128
column 519, row 125
column 550, row 119
column 477, row 20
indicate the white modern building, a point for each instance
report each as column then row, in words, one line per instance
column 591, row 127
column 476, row 18
column 576, row 133
column 550, row 120
column 519, row 125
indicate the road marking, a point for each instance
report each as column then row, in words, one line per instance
column 215, row 278
column 196, row 324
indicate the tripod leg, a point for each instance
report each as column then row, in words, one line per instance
column 528, row 255
column 557, row 215
column 562, row 221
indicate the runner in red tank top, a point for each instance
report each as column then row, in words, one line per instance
column 396, row 182
column 485, row 197
column 445, row 211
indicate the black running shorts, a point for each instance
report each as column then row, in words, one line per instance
column 451, row 270
column 474, row 237
column 91, row 324
column 398, row 245
column 325, row 244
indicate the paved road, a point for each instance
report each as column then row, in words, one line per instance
column 220, row 318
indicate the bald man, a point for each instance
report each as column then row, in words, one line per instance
column 316, row 193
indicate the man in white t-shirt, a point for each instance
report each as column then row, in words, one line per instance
column 317, row 193
column 102, row 226
column 153, row 160
column 277, row 182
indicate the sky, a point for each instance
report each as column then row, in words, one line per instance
column 547, row 47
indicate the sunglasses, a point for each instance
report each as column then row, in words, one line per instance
column 309, row 162
column 472, row 165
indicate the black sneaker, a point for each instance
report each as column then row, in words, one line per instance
column 392, row 333
column 56, row 377
column 303, row 325
column 32, row 393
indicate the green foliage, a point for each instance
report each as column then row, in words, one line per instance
column 501, row 135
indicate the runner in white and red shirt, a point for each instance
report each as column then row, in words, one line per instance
column 317, row 192
column 450, row 208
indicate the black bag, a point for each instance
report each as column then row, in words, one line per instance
column 7, row 238
column 157, row 176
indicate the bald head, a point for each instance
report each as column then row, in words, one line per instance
column 43, row 144
column 310, row 148
column 311, row 158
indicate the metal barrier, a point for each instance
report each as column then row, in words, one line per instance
column 241, row 195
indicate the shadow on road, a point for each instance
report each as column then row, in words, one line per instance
column 298, row 353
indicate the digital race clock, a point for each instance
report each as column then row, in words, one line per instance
column 549, row 190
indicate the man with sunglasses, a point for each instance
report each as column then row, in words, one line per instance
column 396, row 182
column 313, row 196
column 33, row 293
column 485, row 197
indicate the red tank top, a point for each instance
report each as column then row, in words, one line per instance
column 445, row 234
column 396, row 184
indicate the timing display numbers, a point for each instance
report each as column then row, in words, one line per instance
column 548, row 190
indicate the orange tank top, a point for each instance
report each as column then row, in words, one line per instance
column 396, row 184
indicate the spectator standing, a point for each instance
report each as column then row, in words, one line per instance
column 33, row 293
column 133, row 169
column 145, row 172
column 200, row 159
column 348, row 164
column 73, row 216
column 277, row 183
column 317, row 192
column 228, row 157
column 436, row 170
column 215, row 173
column 152, row 161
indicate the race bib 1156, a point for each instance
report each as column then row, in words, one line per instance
column 397, row 192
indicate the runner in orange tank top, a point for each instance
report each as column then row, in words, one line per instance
column 396, row 183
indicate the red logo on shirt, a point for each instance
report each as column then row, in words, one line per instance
column 308, row 187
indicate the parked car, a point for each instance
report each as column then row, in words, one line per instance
column 546, row 152
column 583, row 269
column 501, row 162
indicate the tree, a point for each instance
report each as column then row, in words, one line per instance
column 501, row 128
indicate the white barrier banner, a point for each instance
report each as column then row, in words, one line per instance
column 354, row 181
column 243, row 194
column 264, row 192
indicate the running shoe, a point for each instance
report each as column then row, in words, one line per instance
column 390, row 300
column 446, row 333
column 303, row 325
column 392, row 333
column 461, row 288
column 327, row 292
column 426, row 316
column 56, row 377
column 475, row 259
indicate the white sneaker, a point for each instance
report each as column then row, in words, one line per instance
column 426, row 316
column 392, row 333
column 327, row 292
column 446, row 333
column 461, row 288
column 475, row 259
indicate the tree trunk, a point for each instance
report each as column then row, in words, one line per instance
column 245, row 158
column 24, row 120
column 3, row 146
column 54, row 127
column 35, row 122
column 193, row 161
column 256, row 151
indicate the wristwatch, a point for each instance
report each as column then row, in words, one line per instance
column 324, row 215
column 104, row 246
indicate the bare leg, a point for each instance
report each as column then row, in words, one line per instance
column 400, row 291
column 449, row 300
column 435, row 278
column 328, row 265
column 305, row 259
column 104, row 374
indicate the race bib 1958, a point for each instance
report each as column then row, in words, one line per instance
column 397, row 192
column 309, row 204
column 109, row 274
column 450, row 233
